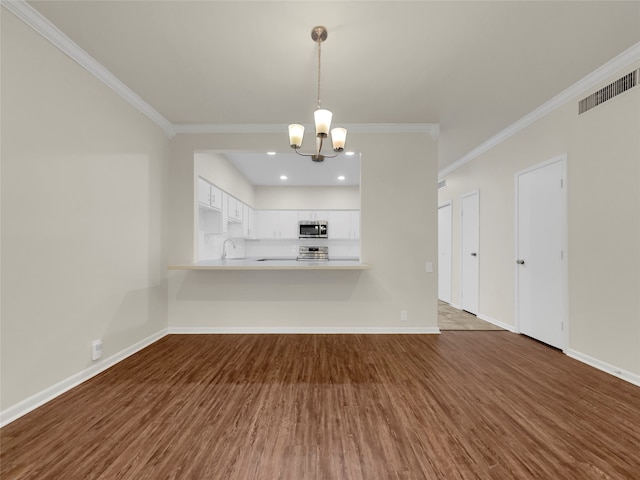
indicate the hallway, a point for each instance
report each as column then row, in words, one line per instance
column 450, row 318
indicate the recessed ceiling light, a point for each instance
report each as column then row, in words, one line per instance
column 349, row 153
column 283, row 177
column 271, row 153
column 341, row 177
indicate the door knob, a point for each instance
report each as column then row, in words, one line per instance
column 474, row 254
column 520, row 262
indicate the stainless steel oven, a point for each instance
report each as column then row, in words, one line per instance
column 313, row 229
column 306, row 252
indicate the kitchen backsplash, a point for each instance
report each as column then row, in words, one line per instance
column 211, row 247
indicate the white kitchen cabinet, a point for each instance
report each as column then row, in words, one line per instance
column 277, row 224
column 268, row 224
column 288, row 224
column 234, row 209
column 209, row 195
column 249, row 222
column 203, row 192
column 312, row 215
column 355, row 223
column 224, row 212
column 246, row 228
column 253, row 223
column 344, row 224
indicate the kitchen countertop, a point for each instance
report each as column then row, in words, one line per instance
column 260, row 263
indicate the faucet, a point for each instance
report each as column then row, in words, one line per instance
column 224, row 247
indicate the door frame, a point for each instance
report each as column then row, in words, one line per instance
column 565, row 245
column 448, row 203
column 462, row 197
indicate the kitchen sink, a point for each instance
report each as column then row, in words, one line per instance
column 275, row 259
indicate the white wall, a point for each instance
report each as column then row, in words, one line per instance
column 307, row 198
column 219, row 171
column 603, row 151
column 399, row 208
column 83, row 223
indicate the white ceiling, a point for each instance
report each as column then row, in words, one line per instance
column 264, row 169
column 472, row 67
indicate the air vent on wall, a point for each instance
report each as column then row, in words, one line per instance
column 621, row 85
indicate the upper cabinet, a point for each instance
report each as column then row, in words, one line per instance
column 344, row 224
column 209, row 195
column 306, row 215
column 249, row 222
column 283, row 224
column 235, row 209
column 277, row 224
column 221, row 213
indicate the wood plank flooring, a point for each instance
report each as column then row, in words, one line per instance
column 461, row 405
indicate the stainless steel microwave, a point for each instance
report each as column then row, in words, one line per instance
column 312, row 229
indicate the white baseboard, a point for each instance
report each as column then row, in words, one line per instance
column 306, row 330
column 605, row 367
column 497, row 323
column 16, row 411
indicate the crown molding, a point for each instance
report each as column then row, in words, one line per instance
column 432, row 129
column 600, row 74
column 187, row 128
column 39, row 23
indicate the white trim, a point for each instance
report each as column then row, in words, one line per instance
column 304, row 330
column 432, row 129
column 565, row 244
column 447, row 203
column 497, row 323
column 16, row 411
column 33, row 18
column 605, row 367
column 600, row 74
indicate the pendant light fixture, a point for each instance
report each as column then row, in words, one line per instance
column 321, row 116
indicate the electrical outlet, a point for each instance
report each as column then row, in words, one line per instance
column 428, row 267
column 96, row 349
column 403, row 316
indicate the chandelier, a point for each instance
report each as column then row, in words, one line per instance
column 321, row 116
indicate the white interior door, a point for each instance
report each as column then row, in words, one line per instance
column 540, row 252
column 470, row 240
column 444, row 252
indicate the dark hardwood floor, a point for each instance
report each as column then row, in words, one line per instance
column 461, row 405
